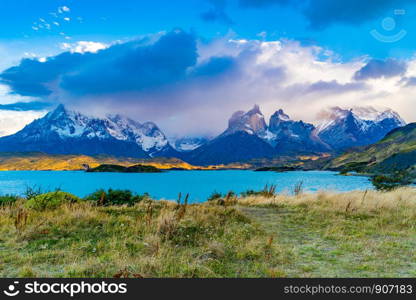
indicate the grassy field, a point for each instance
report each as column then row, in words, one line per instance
column 358, row 234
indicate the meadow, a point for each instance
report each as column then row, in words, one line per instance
column 256, row 234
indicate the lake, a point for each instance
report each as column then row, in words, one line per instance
column 167, row 185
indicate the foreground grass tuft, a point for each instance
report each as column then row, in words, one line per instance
column 360, row 234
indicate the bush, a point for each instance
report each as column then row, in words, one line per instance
column 33, row 191
column 51, row 200
column 267, row 192
column 8, row 199
column 115, row 197
column 214, row 196
column 391, row 182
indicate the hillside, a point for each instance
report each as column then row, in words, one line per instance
column 395, row 152
column 37, row 161
column 122, row 169
column 41, row 161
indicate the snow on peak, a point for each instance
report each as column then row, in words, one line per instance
column 251, row 122
column 364, row 117
column 69, row 124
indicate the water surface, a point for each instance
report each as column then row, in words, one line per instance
column 167, row 185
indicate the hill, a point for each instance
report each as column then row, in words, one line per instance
column 122, row 169
column 395, row 152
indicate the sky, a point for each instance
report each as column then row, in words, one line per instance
column 188, row 65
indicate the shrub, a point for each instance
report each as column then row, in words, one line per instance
column 51, row 200
column 115, row 197
column 267, row 192
column 8, row 199
column 214, row 196
column 391, row 182
column 32, row 192
column 298, row 188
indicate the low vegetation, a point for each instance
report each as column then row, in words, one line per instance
column 264, row 234
column 391, row 182
column 123, row 169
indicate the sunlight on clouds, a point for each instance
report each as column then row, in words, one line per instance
column 83, row 47
column 13, row 121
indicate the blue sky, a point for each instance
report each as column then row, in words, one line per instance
column 76, row 51
column 110, row 20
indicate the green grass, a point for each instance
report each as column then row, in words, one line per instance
column 356, row 234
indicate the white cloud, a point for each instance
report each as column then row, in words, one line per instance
column 302, row 80
column 63, row 9
column 83, row 46
column 13, row 121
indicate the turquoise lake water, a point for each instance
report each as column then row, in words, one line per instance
column 167, row 185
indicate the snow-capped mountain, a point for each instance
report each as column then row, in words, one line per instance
column 345, row 128
column 241, row 141
column 251, row 122
column 147, row 135
column 288, row 136
column 68, row 132
column 248, row 136
column 185, row 144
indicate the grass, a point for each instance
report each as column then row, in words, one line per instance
column 357, row 234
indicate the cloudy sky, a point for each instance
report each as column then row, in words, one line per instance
column 189, row 64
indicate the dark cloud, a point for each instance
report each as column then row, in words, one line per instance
column 217, row 13
column 381, row 68
column 130, row 67
column 26, row 106
column 323, row 13
column 31, row 77
column 216, row 66
column 333, row 87
column 263, row 3
column 409, row 81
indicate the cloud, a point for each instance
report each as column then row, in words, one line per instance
column 132, row 66
column 262, row 3
column 84, row 47
column 376, row 68
column 26, row 106
column 216, row 66
column 12, row 121
column 323, row 13
column 63, row 9
column 217, row 13
column 191, row 86
column 334, row 87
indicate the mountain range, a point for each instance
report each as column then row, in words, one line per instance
column 247, row 137
column 63, row 131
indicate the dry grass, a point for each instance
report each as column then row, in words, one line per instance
column 357, row 234
column 358, row 201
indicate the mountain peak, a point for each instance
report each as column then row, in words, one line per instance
column 58, row 111
column 255, row 110
column 357, row 126
column 280, row 114
column 251, row 122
